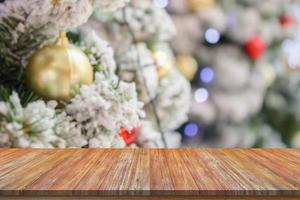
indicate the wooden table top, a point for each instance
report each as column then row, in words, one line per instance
column 207, row 172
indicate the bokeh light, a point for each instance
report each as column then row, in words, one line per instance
column 191, row 130
column 201, row 95
column 207, row 75
column 161, row 3
column 212, row 36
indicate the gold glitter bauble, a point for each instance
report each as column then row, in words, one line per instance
column 196, row 5
column 187, row 65
column 56, row 71
column 55, row 2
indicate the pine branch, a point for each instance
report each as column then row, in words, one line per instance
column 15, row 47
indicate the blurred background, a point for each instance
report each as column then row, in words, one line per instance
column 243, row 60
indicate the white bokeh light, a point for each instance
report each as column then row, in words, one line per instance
column 212, row 36
column 161, row 3
column 201, row 95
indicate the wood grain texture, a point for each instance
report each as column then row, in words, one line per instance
column 264, row 173
column 148, row 198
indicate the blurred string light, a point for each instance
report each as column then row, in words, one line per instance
column 207, row 75
column 161, row 3
column 212, row 36
column 191, row 130
column 201, row 95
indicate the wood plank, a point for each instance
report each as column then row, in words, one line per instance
column 24, row 173
column 151, row 198
column 149, row 173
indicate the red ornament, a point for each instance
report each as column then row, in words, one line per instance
column 255, row 47
column 128, row 137
column 287, row 20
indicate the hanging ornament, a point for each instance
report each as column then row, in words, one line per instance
column 55, row 2
column 128, row 136
column 196, row 5
column 56, row 71
column 163, row 62
column 287, row 20
column 255, row 47
column 187, row 65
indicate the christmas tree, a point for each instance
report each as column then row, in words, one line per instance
column 234, row 48
column 63, row 85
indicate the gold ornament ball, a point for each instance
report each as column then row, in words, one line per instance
column 196, row 5
column 56, row 71
column 187, row 65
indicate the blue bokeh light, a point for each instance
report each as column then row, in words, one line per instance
column 207, row 75
column 191, row 130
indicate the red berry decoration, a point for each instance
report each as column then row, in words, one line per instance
column 128, row 137
column 287, row 20
column 255, row 47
